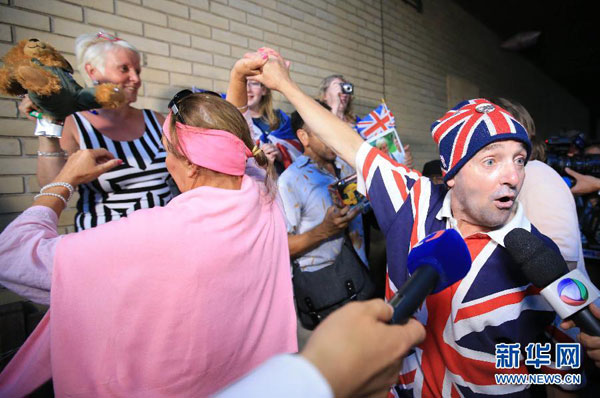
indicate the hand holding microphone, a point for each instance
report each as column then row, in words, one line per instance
column 357, row 352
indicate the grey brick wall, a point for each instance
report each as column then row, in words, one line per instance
column 385, row 48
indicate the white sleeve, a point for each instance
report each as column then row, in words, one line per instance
column 287, row 375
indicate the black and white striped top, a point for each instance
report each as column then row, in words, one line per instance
column 139, row 182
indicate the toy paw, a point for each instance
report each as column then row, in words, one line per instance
column 34, row 78
column 8, row 85
column 109, row 95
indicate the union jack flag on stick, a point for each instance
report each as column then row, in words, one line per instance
column 377, row 121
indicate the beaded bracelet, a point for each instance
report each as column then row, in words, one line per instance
column 59, row 184
column 242, row 108
column 55, row 195
column 61, row 154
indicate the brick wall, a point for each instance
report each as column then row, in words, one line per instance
column 385, row 48
column 422, row 50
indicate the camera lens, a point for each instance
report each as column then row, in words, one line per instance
column 587, row 164
column 347, row 88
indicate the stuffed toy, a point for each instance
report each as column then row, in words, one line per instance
column 35, row 68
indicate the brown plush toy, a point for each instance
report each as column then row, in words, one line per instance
column 36, row 68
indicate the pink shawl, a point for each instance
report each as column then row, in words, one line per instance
column 176, row 301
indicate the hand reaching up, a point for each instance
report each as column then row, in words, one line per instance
column 275, row 72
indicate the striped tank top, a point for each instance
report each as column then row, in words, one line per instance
column 140, row 182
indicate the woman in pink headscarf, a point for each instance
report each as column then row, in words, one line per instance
column 172, row 301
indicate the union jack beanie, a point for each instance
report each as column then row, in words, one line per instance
column 470, row 126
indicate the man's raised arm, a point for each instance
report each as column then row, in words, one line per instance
column 332, row 131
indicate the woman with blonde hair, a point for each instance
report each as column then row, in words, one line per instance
column 271, row 128
column 330, row 92
column 130, row 134
column 173, row 301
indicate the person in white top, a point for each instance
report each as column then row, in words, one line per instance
column 546, row 198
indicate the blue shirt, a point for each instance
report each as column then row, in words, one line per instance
column 305, row 195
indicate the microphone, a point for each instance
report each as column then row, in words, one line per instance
column 435, row 263
column 569, row 293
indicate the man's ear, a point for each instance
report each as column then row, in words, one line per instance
column 302, row 136
column 450, row 183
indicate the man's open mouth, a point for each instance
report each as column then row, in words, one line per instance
column 505, row 202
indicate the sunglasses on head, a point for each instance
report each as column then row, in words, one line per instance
column 177, row 98
column 106, row 36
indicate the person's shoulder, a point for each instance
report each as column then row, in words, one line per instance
column 138, row 226
column 541, row 170
column 291, row 175
column 158, row 116
column 545, row 179
column 547, row 241
column 281, row 114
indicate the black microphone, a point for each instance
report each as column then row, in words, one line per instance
column 568, row 293
column 438, row 261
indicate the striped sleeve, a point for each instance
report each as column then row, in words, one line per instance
column 390, row 185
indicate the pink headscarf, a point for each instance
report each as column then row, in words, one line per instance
column 217, row 150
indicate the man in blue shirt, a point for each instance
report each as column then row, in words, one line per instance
column 315, row 225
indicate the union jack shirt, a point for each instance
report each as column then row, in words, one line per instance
column 492, row 304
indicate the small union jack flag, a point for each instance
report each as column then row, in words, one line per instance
column 377, row 121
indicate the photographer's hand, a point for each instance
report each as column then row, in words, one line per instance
column 358, row 352
column 584, row 183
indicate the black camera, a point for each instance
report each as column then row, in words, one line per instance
column 583, row 164
column 347, row 88
column 557, row 156
column 562, row 145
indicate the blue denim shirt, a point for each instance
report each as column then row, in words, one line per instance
column 304, row 192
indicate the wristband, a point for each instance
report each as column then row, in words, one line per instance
column 59, row 184
column 46, row 128
column 61, row 154
column 55, row 195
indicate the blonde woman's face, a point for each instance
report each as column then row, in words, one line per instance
column 255, row 94
column 122, row 67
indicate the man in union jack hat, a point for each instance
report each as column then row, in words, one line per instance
column 483, row 151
